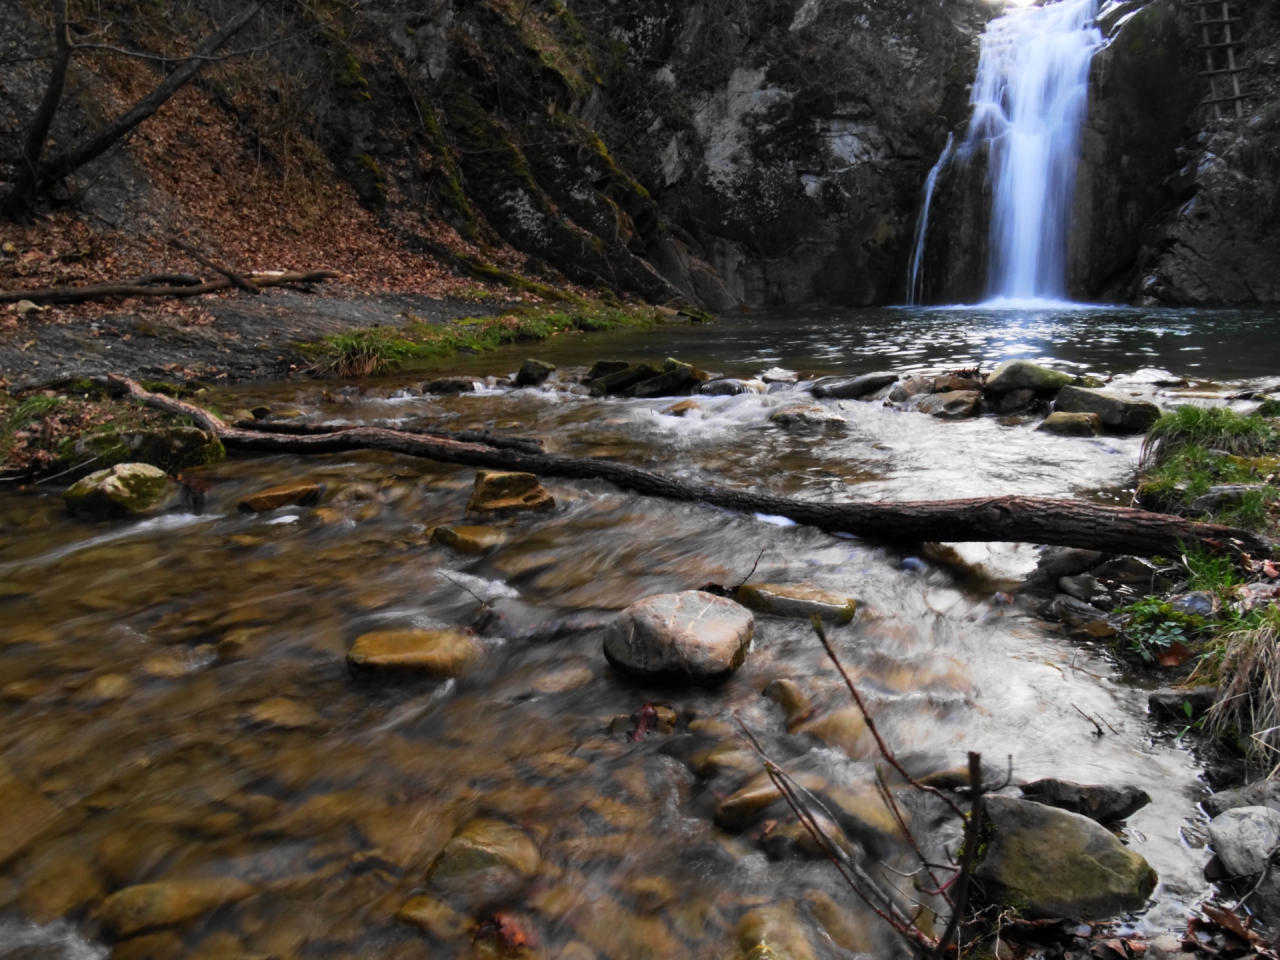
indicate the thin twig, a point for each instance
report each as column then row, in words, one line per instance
column 971, row 828
column 65, row 472
column 1097, row 726
column 750, row 572
column 871, row 724
column 906, row 832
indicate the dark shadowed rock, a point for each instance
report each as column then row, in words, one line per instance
column 533, row 372
column 603, row 368
column 904, row 390
column 445, row 385
column 851, row 388
column 1095, row 801
column 1184, row 705
column 1118, row 413
column 1051, row 863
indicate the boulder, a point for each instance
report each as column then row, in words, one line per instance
column 950, row 406
column 485, row 863
column 676, row 380
column 804, row 414
column 904, row 390
column 445, row 385
column 1025, row 375
column 690, row 637
column 851, row 388
column 1051, row 863
column 1243, row 837
column 731, row 388
column 949, row 382
column 1262, row 793
column 602, row 368
column 1095, row 801
column 498, row 491
column 431, row 653
column 169, row 448
column 1062, row 424
column 125, row 490
column 614, row 383
column 1117, row 413
column 466, row 539
column 164, row 904
column 533, row 372
column 1016, row 401
column 285, row 495
column 796, row 600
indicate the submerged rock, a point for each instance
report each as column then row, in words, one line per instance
column 796, row 600
column 804, row 414
column 431, row 653
column 58, row 886
column 486, row 863
column 1025, row 375
column 445, row 385
column 950, row 406
column 690, row 637
column 1095, row 801
column 498, row 491
column 682, row 408
column 852, row 388
column 164, row 904
column 1071, row 424
column 466, row 539
column 533, row 372
column 1243, row 838
column 125, row 490
column 789, row 695
column 904, row 390
column 774, row 933
column 1117, row 413
column 1051, row 863
column 285, row 495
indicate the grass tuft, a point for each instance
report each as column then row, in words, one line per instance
column 1247, row 658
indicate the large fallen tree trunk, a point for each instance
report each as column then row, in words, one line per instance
column 1071, row 523
column 111, row 291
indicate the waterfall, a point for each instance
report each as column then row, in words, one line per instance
column 1029, row 102
column 915, row 281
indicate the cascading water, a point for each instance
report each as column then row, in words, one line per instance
column 1029, row 102
column 915, row 280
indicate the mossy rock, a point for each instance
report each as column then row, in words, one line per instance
column 124, row 490
column 169, row 448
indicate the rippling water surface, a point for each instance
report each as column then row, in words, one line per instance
column 176, row 703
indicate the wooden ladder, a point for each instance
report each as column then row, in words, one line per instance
column 1220, row 53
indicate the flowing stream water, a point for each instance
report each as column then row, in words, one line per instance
column 176, row 703
column 1029, row 100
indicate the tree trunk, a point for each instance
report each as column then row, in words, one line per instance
column 1070, row 523
column 20, row 204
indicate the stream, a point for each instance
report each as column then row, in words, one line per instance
column 175, row 688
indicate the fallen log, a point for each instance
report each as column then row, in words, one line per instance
column 1069, row 523
column 235, row 278
column 109, row 291
column 294, row 429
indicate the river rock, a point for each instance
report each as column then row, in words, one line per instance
column 1262, row 793
column 430, row 653
column 789, row 695
column 731, row 388
column 164, row 904
column 904, row 390
column 852, row 388
column 58, row 886
column 804, row 414
column 1197, row 603
column 1056, row 562
column 1226, row 495
column 690, row 637
column 433, row 916
column 1095, row 801
column 682, row 408
column 1052, row 863
column 500, row 491
column 169, row 448
column 614, row 383
column 1081, row 586
column 950, row 406
column 486, row 863
column 533, row 372
column 125, row 490
column 951, row 382
column 1062, row 424
column 285, row 495
column 1079, row 615
column 796, row 600
column 1016, row 401
column 602, row 368
column 792, row 840
column 1117, row 413
column 676, row 380
column 466, row 539
column 1243, row 837
column 1183, row 705
column 445, row 385
column 1025, row 375
column 774, row 932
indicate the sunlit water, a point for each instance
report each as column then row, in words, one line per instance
column 141, row 650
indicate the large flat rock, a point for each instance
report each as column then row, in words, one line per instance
column 690, row 637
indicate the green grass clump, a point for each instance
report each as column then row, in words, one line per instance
column 374, row 350
column 1245, row 658
column 1194, row 448
column 22, row 416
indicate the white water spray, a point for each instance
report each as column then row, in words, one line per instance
column 1029, row 102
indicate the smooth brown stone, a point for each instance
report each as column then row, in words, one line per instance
column 285, row 495
column 432, row 653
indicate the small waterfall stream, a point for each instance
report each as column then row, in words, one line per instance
column 915, row 280
column 1029, row 101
